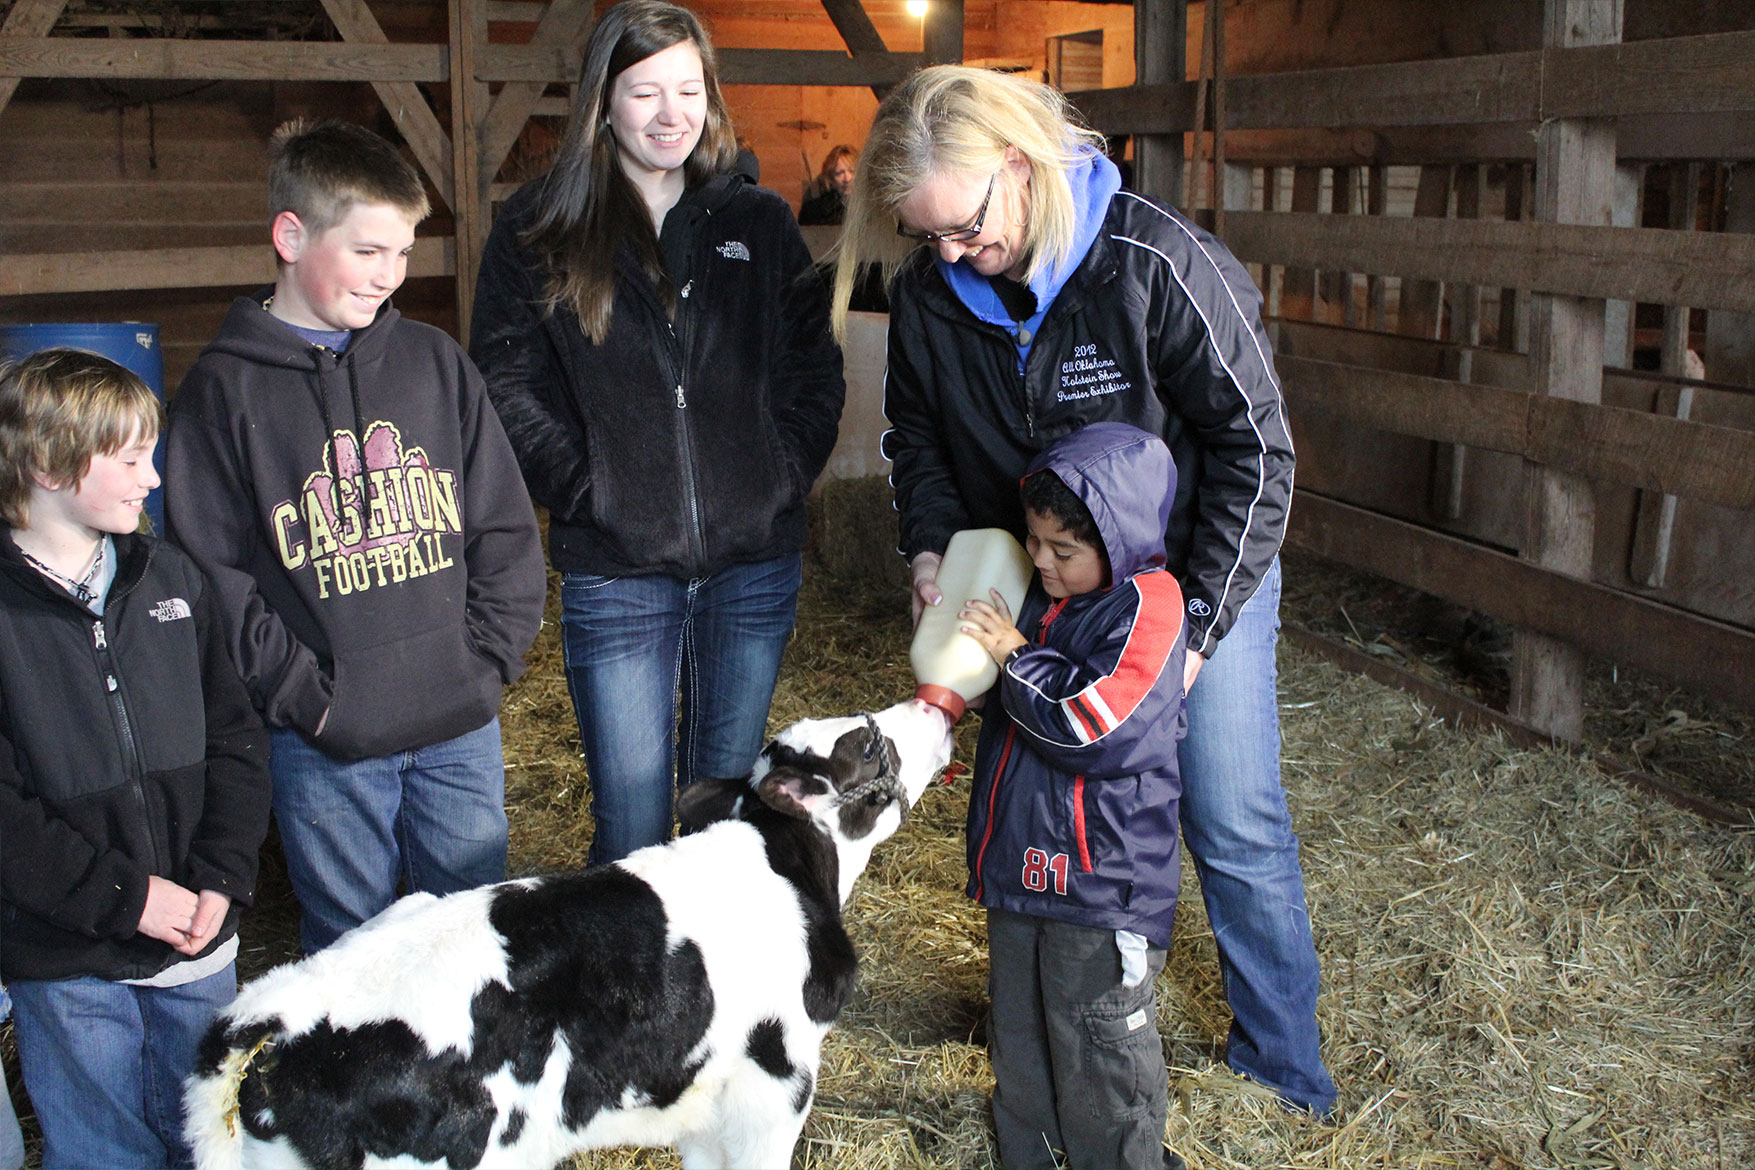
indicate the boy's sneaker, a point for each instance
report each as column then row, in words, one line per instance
column 1173, row 1160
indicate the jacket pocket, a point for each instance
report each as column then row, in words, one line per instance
column 420, row 690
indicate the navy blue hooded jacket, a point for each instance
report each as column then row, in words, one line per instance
column 1073, row 812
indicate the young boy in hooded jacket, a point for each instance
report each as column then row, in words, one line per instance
column 339, row 473
column 1072, row 819
column 133, row 772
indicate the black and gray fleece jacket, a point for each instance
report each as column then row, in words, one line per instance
column 675, row 447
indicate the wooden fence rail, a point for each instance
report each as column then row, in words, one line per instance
column 1712, row 657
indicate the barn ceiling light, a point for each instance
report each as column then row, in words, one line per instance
column 917, row 8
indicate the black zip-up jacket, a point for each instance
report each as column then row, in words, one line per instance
column 674, row 449
column 128, row 749
column 1159, row 326
column 383, row 608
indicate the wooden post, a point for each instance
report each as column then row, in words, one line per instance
column 1376, row 287
column 1730, row 337
column 468, row 29
column 1514, row 302
column 1160, row 54
column 1575, row 184
column 943, row 32
column 1654, row 526
column 1337, row 286
column 1421, row 312
column 1618, row 315
column 1450, row 461
column 1298, row 285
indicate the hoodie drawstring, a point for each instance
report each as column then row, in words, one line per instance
column 353, row 387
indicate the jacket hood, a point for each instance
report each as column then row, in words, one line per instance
column 1127, row 479
column 252, row 333
column 1095, row 180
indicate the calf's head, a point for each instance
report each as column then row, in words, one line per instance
column 854, row 778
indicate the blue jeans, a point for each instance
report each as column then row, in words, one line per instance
column 1237, row 828
column 433, row 818
column 642, row 653
column 104, row 1065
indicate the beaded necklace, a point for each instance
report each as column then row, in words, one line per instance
column 83, row 589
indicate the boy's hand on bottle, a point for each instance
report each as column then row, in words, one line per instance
column 990, row 623
column 169, row 913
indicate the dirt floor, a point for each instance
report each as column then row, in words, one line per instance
column 1525, row 962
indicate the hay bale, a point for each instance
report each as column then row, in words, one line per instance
column 854, row 532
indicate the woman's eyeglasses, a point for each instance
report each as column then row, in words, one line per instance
column 959, row 235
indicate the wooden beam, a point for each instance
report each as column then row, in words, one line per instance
column 28, row 18
column 407, row 104
column 942, row 31
column 1632, row 448
column 857, row 31
column 1418, row 313
column 565, row 23
column 1654, row 265
column 1677, row 76
column 1711, row 657
column 538, row 63
column 192, row 60
column 1575, row 184
column 243, row 265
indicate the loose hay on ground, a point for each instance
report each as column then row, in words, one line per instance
column 1524, row 963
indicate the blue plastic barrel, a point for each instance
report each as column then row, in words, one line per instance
column 127, row 343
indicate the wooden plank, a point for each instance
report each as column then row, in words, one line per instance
column 161, row 201
column 1609, row 444
column 1655, row 265
column 1502, row 87
column 1298, row 281
column 1712, row 657
column 403, row 99
column 248, row 264
column 192, row 60
column 1681, row 76
column 28, row 18
column 1675, row 75
column 1409, row 404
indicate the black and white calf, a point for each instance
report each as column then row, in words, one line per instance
column 679, row 997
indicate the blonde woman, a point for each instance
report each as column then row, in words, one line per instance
column 828, row 201
column 657, row 344
column 1031, row 296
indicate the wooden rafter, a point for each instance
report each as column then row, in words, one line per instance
column 28, row 18
column 407, row 104
column 564, row 25
column 857, row 31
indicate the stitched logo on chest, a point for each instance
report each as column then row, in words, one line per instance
column 171, row 609
column 1089, row 374
column 734, row 250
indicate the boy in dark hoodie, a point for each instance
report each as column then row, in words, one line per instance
column 1072, row 818
column 340, row 474
column 133, row 772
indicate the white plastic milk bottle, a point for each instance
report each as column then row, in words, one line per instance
column 950, row 666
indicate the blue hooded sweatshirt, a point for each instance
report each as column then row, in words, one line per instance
column 1095, row 180
column 1073, row 812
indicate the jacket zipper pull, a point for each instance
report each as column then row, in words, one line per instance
column 681, row 402
column 686, row 289
column 97, row 636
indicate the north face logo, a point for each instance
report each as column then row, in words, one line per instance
column 170, row 609
column 734, row 250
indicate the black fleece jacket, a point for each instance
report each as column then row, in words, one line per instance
column 128, row 749
column 675, row 448
column 377, row 610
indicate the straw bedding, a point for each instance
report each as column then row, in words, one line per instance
column 1525, row 964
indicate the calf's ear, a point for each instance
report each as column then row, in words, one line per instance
column 708, row 801
column 792, row 791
